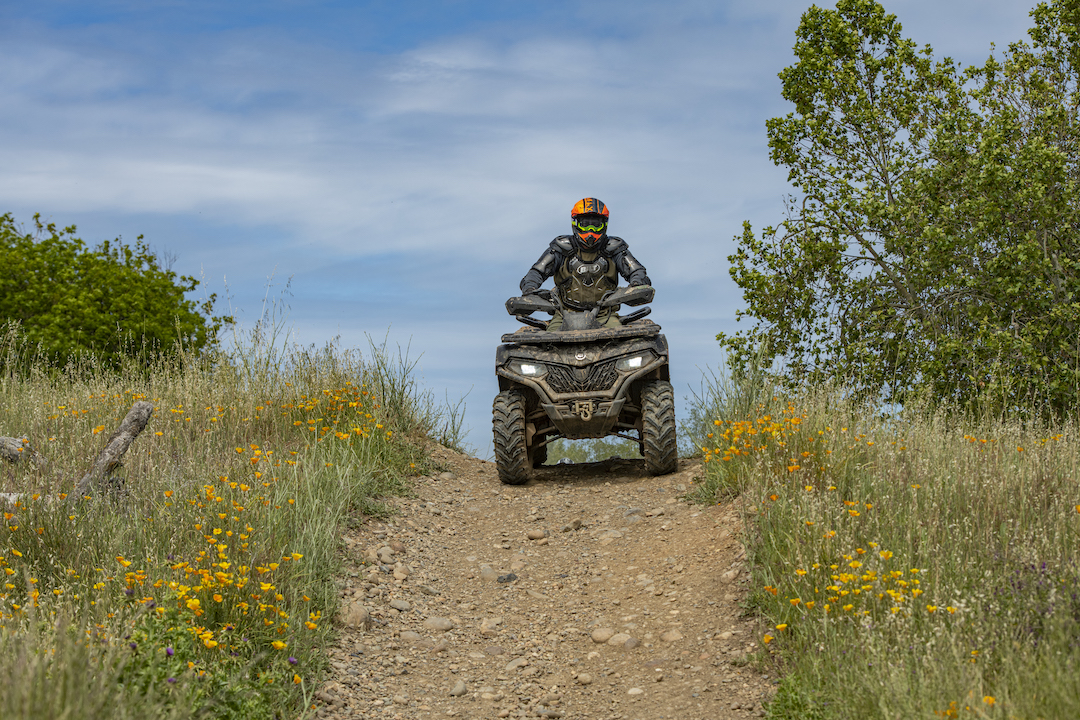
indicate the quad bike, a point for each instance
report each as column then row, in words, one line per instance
column 582, row 381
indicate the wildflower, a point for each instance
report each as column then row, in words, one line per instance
column 296, row 679
column 279, row 645
column 767, row 639
column 781, row 627
column 885, row 554
column 795, row 601
column 989, row 699
column 931, row 608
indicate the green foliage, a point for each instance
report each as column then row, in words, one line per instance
column 931, row 247
column 586, row 451
column 108, row 302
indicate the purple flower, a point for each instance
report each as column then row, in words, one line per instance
column 171, row 680
column 292, row 660
column 169, row 652
column 133, row 646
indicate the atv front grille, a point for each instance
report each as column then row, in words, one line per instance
column 562, row 379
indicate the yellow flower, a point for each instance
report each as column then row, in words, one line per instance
column 767, row 639
column 931, row 608
column 781, row 627
column 296, row 679
column 279, row 645
column 989, row 699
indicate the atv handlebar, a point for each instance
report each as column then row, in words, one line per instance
column 632, row 295
column 546, row 301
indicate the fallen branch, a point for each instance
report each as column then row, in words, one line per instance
column 117, row 444
column 16, row 449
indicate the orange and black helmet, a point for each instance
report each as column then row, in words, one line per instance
column 590, row 219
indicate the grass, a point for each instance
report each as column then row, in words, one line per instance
column 916, row 565
column 200, row 581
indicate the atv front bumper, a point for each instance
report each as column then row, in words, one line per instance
column 584, row 418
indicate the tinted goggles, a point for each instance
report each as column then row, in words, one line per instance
column 591, row 223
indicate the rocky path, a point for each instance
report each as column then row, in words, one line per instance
column 591, row 592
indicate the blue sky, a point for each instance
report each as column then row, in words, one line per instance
column 402, row 164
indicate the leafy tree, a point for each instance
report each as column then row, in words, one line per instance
column 108, row 301
column 932, row 244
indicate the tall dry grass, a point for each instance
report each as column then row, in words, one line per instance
column 917, row 564
column 199, row 581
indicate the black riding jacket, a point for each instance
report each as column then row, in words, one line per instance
column 582, row 278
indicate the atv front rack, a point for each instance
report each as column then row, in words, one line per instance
column 532, row 336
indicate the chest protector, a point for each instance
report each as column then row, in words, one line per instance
column 583, row 279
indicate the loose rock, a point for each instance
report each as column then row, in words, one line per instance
column 440, row 624
column 356, row 616
column 459, row 689
column 602, row 635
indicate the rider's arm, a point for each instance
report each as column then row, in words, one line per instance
column 545, row 267
column 627, row 265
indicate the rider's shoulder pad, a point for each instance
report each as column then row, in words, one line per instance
column 563, row 243
column 615, row 245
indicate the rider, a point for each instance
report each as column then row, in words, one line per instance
column 586, row 264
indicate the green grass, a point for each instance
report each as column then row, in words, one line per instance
column 199, row 581
column 919, row 565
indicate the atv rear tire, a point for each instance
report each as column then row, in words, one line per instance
column 658, row 441
column 508, row 424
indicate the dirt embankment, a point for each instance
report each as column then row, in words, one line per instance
column 591, row 592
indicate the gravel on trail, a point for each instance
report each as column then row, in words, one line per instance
column 593, row 591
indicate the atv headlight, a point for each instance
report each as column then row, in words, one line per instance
column 633, row 362
column 528, row 369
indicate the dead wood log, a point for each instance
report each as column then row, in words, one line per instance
column 118, row 443
column 15, row 450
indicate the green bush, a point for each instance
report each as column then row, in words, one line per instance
column 111, row 301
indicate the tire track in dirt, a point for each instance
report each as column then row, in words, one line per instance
column 623, row 606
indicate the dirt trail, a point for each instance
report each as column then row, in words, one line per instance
column 627, row 608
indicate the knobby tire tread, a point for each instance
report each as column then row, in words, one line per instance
column 659, row 444
column 508, row 425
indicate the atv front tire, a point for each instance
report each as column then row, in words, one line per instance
column 658, row 441
column 511, row 450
